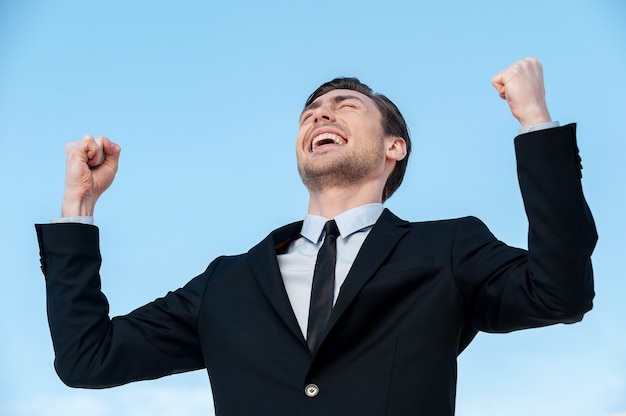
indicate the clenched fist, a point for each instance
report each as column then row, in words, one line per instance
column 521, row 85
column 90, row 169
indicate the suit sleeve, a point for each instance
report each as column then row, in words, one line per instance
column 509, row 289
column 94, row 351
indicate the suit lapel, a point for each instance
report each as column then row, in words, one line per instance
column 264, row 267
column 380, row 242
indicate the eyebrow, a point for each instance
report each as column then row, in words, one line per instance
column 336, row 99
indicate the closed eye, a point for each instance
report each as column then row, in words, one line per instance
column 348, row 102
column 305, row 117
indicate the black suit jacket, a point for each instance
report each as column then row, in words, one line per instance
column 415, row 297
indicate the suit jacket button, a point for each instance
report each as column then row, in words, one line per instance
column 311, row 390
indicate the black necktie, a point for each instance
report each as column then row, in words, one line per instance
column 323, row 288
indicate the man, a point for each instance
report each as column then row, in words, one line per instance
column 406, row 298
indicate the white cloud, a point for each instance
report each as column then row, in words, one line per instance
column 133, row 401
column 58, row 406
column 549, row 381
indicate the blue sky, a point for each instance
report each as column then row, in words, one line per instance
column 204, row 99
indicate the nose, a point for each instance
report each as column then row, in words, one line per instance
column 323, row 114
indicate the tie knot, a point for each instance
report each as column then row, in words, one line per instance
column 331, row 229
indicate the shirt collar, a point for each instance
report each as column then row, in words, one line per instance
column 348, row 222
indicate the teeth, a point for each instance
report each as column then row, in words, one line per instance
column 325, row 137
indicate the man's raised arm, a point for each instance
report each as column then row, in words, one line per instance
column 92, row 350
column 553, row 281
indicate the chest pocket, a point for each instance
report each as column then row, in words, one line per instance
column 407, row 264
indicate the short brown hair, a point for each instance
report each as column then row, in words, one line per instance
column 393, row 123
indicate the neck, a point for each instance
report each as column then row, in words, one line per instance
column 329, row 203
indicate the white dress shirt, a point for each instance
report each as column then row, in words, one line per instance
column 297, row 263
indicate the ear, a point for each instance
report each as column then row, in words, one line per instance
column 395, row 148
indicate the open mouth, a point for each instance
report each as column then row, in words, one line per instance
column 325, row 139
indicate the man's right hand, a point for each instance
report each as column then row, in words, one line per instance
column 90, row 170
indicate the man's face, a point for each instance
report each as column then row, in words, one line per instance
column 340, row 140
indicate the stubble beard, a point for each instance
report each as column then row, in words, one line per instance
column 337, row 171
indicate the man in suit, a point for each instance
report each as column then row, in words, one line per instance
column 404, row 301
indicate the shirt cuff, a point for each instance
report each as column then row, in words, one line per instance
column 536, row 127
column 88, row 219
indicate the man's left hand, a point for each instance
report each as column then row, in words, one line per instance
column 521, row 85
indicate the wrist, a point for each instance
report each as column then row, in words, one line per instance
column 534, row 117
column 77, row 208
